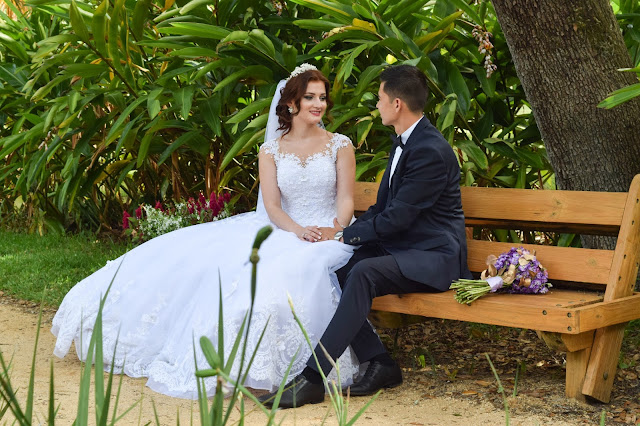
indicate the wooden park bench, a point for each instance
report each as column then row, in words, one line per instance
column 593, row 295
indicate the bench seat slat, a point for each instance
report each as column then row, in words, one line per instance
column 561, row 207
column 544, row 312
column 562, row 263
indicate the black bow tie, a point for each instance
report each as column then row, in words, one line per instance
column 397, row 142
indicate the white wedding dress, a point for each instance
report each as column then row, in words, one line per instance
column 166, row 293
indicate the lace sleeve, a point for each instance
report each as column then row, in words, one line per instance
column 339, row 141
column 270, row 147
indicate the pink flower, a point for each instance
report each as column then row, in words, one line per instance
column 226, row 197
column 139, row 212
column 191, row 205
column 159, row 206
column 125, row 220
column 202, row 200
column 215, row 209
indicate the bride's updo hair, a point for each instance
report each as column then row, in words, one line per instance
column 294, row 90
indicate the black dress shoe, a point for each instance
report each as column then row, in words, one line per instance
column 297, row 393
column 377, row 376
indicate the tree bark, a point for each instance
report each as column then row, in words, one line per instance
column 567, row 54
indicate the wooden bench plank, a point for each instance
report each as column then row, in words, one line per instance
column 560, row 207
column 560, row 211
column 585, row 315
column 364, row 195
column 562, row 263
column 545, row 312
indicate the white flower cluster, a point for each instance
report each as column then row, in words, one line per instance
column 277, row 5
column 485, row 47
column 301, row 69
column 158, row 223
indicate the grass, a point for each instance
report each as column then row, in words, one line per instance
column 30, row 262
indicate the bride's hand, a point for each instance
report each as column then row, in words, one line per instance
column 311, row 234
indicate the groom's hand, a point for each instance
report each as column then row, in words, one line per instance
column 329, row 233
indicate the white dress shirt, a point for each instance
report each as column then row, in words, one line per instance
column 403, row 138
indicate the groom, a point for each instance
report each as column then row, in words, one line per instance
column 412, row 239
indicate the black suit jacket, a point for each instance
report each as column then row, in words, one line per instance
column 419, row 219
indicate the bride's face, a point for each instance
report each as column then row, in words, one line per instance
column 313, row 104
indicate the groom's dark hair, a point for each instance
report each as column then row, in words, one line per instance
column 407, row 83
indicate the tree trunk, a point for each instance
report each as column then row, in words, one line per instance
column 566, row 54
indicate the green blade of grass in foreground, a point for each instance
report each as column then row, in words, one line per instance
column 29, row 406
column 51, row 420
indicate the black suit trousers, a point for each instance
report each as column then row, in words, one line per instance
column 371, row 272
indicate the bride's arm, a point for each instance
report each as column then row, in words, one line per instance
column 272, row 201
column 346, row 176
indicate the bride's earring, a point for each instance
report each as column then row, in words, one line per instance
column 290, row 109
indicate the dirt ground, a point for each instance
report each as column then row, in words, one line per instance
column 447, row 380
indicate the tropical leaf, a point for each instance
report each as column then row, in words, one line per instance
column 196, row 29
column 621, row 96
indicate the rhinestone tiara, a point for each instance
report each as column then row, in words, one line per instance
column 301, row 69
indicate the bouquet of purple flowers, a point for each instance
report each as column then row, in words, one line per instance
column 517, row 270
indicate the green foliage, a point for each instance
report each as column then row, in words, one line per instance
column 628, row 15
column 108, row 104
column 500, row 390
column 484, row 116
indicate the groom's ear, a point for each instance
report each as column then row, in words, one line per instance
column 398, row 104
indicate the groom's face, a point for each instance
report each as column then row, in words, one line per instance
column 386, row 106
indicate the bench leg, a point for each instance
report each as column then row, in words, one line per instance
column 601, row 369
column 576, row 369
column 578, row 347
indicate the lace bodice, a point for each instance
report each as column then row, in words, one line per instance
column 308, row 186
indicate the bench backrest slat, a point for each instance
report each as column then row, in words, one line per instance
column 569, row 211
column 364, row 195
column 562, row 263
column 539, row 209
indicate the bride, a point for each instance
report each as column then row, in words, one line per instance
column 166, row 292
